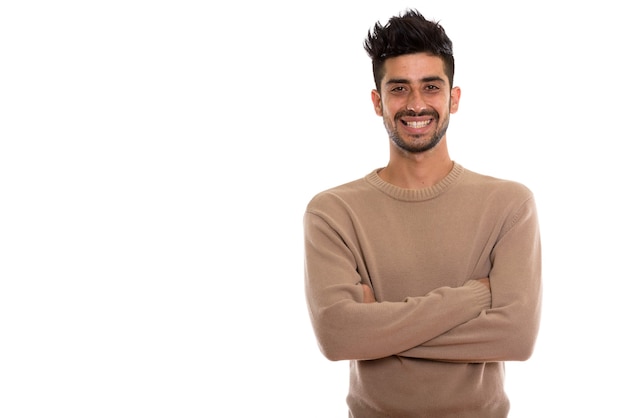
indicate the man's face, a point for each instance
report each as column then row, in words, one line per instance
column 415, row 101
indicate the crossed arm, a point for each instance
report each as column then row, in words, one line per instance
column 492, row 318
column 368, row 293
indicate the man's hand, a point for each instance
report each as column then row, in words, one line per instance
column 368, row 294
column 485, row 281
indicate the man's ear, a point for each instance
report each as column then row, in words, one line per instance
column 377, row 102
column 455, row 97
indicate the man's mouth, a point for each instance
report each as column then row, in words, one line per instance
column 417, row 124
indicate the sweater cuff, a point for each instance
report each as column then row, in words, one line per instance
column 481, row 292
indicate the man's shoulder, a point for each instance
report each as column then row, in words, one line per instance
column 341, row 190
column 498, row 185
column 340, row 195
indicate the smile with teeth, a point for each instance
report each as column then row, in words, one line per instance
column 417, row 124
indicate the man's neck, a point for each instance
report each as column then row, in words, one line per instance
column 417, row 171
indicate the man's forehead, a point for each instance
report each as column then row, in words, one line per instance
column 414, row 62
column 414, row 67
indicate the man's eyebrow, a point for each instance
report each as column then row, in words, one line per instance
column 398, row 81
column 433, row 78
column 428, row 79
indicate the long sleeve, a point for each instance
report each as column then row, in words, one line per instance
column 509, row 329
column 436, row 338
column 348, row 329
column 420, row 251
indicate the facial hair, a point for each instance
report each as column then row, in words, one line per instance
column 417, row 147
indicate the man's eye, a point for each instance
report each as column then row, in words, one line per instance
column 432, row 87
column 399, row 89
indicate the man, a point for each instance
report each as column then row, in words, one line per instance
column 424, row 274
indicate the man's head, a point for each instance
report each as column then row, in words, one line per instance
column 413, row 69
column 406, row 34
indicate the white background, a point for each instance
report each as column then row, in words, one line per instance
column 156, row 158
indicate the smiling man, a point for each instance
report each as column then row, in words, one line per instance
column 425, row 275
column 416, row 103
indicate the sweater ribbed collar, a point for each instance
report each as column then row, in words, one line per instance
column 415, row 195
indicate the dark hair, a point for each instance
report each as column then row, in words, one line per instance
column 408, row 33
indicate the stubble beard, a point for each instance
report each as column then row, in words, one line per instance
column 417, row 145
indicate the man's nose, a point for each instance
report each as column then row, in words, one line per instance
column 415, row 102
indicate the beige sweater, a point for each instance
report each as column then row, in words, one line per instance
column 434, row 343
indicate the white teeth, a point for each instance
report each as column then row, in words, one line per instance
column 415, row 124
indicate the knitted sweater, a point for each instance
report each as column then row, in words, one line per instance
column 434, row 343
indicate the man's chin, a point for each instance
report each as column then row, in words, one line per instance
column 415, row 146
